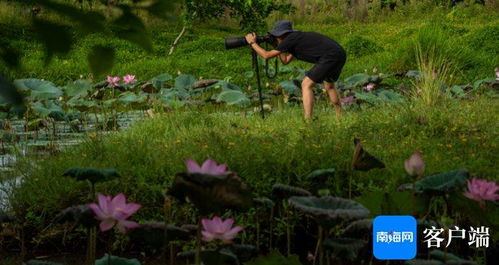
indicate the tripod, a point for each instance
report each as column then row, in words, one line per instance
column 256, row 68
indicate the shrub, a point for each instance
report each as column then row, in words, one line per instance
column 359, row 46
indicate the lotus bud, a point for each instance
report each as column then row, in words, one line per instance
column 415, row 164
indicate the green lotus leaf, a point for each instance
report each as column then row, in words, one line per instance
column 328, row 210
column 359, row 228
column 390, row 96
column 423, row 262
column 211, row 193
column 233, row 97
column 370, row 98
column 212, row 257
column 364, row 161
column 264, row 202
column 160, row 81
column 226, row 86
column 318, row 178
column 357, row 79
column 153, row 234
column 345, row 248
column 174, row 94
column 289, row 87
column 78, row 89
column 449, row 258
column 130, row 97
column 38, row 89
column 48, row 109
column 80, row 214
column 413, row 73
column 275, row 258
column 184, row 82
column 94, row 175
column 283, row 192
column 41, row 262
column 443, row 183
column 114, row 260
column 81, row 104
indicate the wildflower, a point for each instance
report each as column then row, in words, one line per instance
column 347, row 100
column 218, row 229
column 369, row 87
column 415, row 164
column 481, row 189
column 112, row 211
column 113, row 80
column 209, row 167
column 129, row 79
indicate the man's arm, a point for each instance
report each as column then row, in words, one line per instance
column 251, row 39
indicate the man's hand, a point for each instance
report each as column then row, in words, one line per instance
column 251, row 38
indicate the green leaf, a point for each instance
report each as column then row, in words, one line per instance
column 129, row 97
column 78, row 89
column 94, row 175
column 114, row 260
column 184, row 82
column 364, row 161
column 221, row 257
column 159, row 81
column 38, row 89
column 290, row 88
column 48, row 109
column 389, row 96
column 101, row 60
column 329, row 210
column 153, row 234
column 283, row 192
column 234, row 97
column 161, row 8
column 10, row 95
column 275, row 258
column 41, row 262
column 55, row 37
column 443, row 183
column 357, row 79
column 131, row 28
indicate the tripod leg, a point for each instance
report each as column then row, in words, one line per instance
column 257, row 73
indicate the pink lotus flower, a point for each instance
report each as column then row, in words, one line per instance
column 114, row 211
column 415, row 164
column 369, row 87
column 218, row 229
column 209, row 167
column 347, row 100
column 113, row 80
column 481, row 189
column 129, row 79
column 497, row 73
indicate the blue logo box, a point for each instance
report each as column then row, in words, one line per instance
column 394, row 237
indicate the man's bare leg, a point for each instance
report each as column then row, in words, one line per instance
column 308, row 97
column 334, row 96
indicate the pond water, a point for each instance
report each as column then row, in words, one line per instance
column 18, row 143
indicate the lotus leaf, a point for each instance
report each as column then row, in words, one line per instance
column 346, row 248
column 290, row 88
column 153, row 234
column 80, row 214
column 364, row 161
column 423, row 262
column 275, row 258
column 211, row 193
column 413, row 73
column 228, row 86
column 389, row 96
column 370, row 98
column 130, row 97
column 327, row 209
column 174, row 94
column 318, row 178
column 442, row 183
column 48, row 109
column 81, row 104
column 41, row 262
column 159, row 81
column 283, row 192
column 357, row 79
column 114, row 260
column 38, row 89
column 184, row 82
column 359, row 229
column 94, row 175
column 233, row 97
column 78, row 89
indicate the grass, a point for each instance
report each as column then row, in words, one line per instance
column 279, row 149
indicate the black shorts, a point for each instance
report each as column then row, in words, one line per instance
column 328, row 68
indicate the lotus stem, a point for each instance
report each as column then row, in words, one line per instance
column 318, row 246
column 271, row 227
column 198, row 245
column 257, row 233
column 288, row 229
column 167, row 216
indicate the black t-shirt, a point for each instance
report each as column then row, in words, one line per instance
column 310, row 46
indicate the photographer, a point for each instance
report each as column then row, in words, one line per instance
column 327, row 55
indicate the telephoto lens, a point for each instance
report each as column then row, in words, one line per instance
column 237, row 42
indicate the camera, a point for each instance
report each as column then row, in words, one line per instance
column 236, row 42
